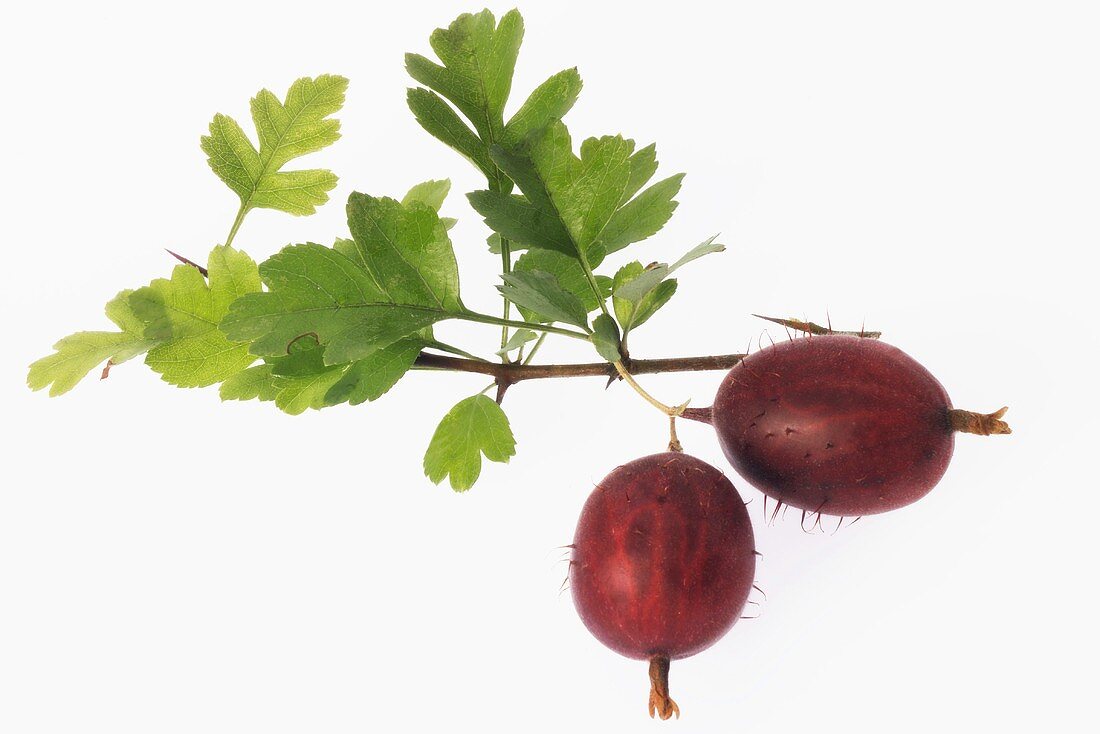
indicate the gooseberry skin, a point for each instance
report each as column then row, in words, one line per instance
column 663, row 558
column 835, row 424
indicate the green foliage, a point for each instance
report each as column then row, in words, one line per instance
column 540, row 293
column 474, row 427
column 583, row 206
column 286, row 130
column 518, row 339
column 605, row 337
column 478, row 58
column 316, row 290
column 78, row 354
column 631, row 314
column 316, row 326
column 636, row 288
column 183, row 313
column 569, row 274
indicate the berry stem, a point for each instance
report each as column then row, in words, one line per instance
column 671, row 411
column 982, row 424
column 660, row 703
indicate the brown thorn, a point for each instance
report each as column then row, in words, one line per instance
column 107, row 369
column 808, row 327
column 192, row 263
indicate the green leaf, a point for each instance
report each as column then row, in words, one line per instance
column 407, row 251
column 474, row 427
column 254, row 383
column 630, row 314
column 302, row 381
column 430, row 193
column 540, row 293
column 522, row 223
column 642, row 216
column 479, row 58
column 295, row 395
column 183, row 314
column 605, row 337
column 286, row 130
column 316, row 290
column 443, row 123
column 643, row 165
column 635, row 289
column 397, row 275
column 550, row 101
column 518, row 339
column 78, row 354
column 372, row 377
column 569, row 273
column 581, row 192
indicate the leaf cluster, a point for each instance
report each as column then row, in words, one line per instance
column 319, row 325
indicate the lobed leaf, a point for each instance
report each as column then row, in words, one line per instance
column 78, row 354
column 286, row 130
column 316, row 290
column 474, row 427
column 182, row 314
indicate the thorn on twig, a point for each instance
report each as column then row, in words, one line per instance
column 185, row 261
column 502, row 387
column 808, row 327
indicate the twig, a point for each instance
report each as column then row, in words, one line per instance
column 513, row 373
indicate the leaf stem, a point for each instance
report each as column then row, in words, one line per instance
column 444, row 347
column 236, row 224
column 485, row 318
column 535, row 348
column 506, row 268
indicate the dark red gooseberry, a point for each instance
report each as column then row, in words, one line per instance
column 663, row 562
column 840, row 425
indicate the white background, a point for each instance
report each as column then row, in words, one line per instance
column 172, row 564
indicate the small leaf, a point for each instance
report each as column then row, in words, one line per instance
column 569, row 273
column 605, row 337
column 630, row 314
column 475, row 426
column 430, row 193
column 78, row 354
column 518, row 339
column 636, row 289
column 540, row 292
column 286, row 130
